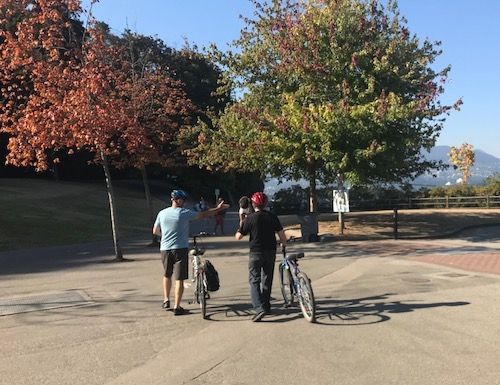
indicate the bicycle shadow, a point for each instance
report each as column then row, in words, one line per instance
column 369, row 310
column 225, row 309
column 222, row 312
column 329, row 311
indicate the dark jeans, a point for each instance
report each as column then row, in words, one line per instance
column 261, row 269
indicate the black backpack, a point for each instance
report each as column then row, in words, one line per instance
column 212, row 276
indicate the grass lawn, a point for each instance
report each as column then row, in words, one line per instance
column 38, row 212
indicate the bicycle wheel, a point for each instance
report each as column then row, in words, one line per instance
column 286, row 283
column 306, row 297
column 202, row 294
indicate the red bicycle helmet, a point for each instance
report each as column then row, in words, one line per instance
column 259, row 199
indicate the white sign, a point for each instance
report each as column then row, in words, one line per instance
column 217, row 193
column 340, row 201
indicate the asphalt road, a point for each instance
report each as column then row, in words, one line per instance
column 385, row 316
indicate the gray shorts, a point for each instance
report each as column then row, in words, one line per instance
column 175, row 263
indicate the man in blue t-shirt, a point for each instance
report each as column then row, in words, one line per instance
column 172, row 224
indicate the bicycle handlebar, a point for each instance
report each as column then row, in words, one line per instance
column 199, row 235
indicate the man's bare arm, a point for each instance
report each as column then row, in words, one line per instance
column 156, row 231
column 211, row 212
column 282, row 237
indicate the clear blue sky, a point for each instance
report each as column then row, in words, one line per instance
column 468, row 30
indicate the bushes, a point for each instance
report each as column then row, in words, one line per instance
column 493, row 185
column 294, row 200
column 291, row 200
column 490, row 187
column 455, row 191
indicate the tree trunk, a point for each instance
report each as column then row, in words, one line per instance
column 112, row 208
column 55, row 172
column 341, row 189
column 54, row 168
column 313, row 199
column 149, row 202
column 313, row 204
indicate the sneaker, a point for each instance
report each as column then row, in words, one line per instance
column 179, row 311
column 166, row 305
column 258, row 316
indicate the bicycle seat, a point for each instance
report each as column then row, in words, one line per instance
column 294, row 256
column 196, row 251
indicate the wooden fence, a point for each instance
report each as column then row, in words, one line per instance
column 486, row 201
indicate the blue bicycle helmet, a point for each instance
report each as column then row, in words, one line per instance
column 179, row 194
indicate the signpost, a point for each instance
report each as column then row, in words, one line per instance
column 341, row 206
column 340, row 201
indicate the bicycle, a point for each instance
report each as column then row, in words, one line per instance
column 295, row 283
column 200, row 287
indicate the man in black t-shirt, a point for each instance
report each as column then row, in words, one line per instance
column 262, row 227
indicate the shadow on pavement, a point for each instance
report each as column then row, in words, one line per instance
column 329, row 312
column 386, row 249
column 489, row 233
column 73, row 256
column 47, row 259
column 368, row 310
column 39, row 260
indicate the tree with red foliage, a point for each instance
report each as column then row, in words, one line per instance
column 160, row 106
column 72, row 96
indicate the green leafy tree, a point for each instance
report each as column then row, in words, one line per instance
column 492, row 186
column 463, row 158
column 326, row 89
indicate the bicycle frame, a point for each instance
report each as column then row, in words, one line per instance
column 293, row 266
column 196, row 252
column 200, row 287
column 295, row 283
column 197, row 265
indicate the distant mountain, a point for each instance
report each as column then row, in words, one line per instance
column 485, row 165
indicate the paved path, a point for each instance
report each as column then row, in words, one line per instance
column 387, row 314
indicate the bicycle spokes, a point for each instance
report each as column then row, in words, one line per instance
column 306, row 297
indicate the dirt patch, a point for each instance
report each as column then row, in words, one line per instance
column 420, row 223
